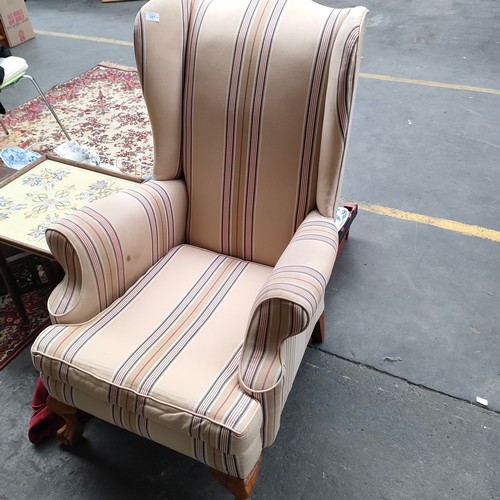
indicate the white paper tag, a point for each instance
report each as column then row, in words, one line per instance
column 153, row 16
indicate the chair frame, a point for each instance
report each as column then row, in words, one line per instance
column 288, row 298
column 42, row 95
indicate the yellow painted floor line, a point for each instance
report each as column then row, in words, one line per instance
column 450, row 225
column 428, row 83
column 87, row 38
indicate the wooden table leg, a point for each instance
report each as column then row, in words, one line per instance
column 53, row 271
column 11, row 285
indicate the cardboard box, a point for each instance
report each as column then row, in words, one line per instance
column 15, row 24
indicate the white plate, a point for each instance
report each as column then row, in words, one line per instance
column 71, row 150
column 18, row 158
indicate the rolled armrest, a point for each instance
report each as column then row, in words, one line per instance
column 107, row 245
column 288, row 301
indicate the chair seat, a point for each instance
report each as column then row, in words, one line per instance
column 168, row 353
column 14, row 68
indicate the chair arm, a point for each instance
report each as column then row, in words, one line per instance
column 107, row 245
column 288, row 301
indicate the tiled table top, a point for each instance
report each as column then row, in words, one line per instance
column 37, row 195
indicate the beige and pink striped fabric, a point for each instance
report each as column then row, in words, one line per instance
column 168, row 352
column 105, row 247
column 238, row 463
column 256, row 75
column 284, row 314
column 188, row 302
column 288, row 301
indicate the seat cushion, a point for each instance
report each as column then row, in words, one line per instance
column 14, row 68
column 168, row 350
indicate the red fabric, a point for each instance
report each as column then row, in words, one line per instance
column 43, row 423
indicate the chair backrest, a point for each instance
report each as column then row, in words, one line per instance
column 250, row 102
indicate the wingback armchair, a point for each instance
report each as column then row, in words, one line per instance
column 189, row 300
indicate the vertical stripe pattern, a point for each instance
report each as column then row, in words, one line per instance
column 256, row 136
column 345, row 83
column 189, row 83
column 193, row 299
column 256, row 117
column 317, row 79
column 230, row 127
column 288, row 301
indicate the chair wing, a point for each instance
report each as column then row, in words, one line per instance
column 188, row 302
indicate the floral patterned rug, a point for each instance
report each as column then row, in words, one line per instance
column 102, row 109
column 32, row 283
column 14, row 335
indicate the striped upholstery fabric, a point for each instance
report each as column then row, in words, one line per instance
column 188, row 301
column 273, row 401
column 104, row 250
column 133, row 356
column 284, row 315
column 256, row 76
column 288, row 301
column 237, row 464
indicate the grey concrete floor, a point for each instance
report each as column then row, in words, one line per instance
column 426, row 297
column 349, row 432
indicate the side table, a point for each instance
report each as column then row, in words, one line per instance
column 39, row 194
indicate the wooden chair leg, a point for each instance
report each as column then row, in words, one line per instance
column 318, row 334
column 240, row 488
column 71, row 432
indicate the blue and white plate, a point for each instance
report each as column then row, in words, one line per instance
column 341, row 217
column 18, row 158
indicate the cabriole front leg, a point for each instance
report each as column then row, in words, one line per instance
column 71, row 432
column 240, row 488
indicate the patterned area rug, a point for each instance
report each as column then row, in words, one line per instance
column 32, row 283
column 102, row 109
column 14, row 335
